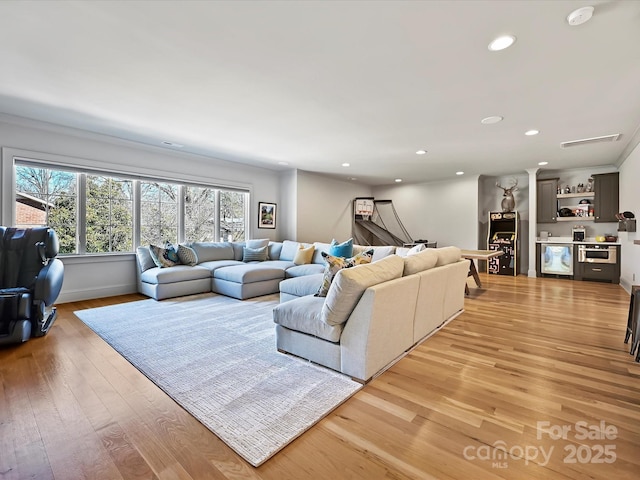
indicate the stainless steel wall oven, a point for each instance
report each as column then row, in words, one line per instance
column 597, row 254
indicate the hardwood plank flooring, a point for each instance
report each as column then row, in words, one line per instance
column 486, row 397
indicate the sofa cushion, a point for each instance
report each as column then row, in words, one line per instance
column 254, row 254
column 301, row 286
column 238, row 250
column 289, row 250
column 215, row 264
column 274, row 250
column 187, row 255
column 335, row 264
column 303, row 315
column 208, row 251
column 344, row 249
column 248, row 273
column 257, row 243
column 447, row 255
column 301, row 270
column 320, row 247
column 144, row 258
column 178, row 273
column 349, row 284
column 421, row 261
column 303, row 255
column 164, row 257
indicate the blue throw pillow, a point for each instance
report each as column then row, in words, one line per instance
column 344, row 249
column 254, row 254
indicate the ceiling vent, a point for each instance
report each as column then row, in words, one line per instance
column 585, row 141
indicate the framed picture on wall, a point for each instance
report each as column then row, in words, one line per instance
column 267, row 215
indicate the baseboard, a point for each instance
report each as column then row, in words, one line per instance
column 91, row 293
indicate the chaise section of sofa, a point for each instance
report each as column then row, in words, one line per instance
column 373, row 313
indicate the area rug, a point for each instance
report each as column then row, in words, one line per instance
column 216, row 357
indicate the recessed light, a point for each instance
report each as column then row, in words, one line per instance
column 543, row 163
column 172, row 144
column 491, row 120
column 460, row 173
column 398, row 180
column 352, row 178
column 283, row 163
column 580, row 16
column 502, row 42
column 346, row 164
column 421, row 152
column 530, row 133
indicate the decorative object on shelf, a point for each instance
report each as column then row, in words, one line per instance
column 508, row 202
column 626, row 222
column 266, row 215
column 589, row 185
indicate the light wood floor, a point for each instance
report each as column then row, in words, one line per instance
column 524, row 351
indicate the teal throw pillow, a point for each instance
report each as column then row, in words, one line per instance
column 162, row 257
column 172, row 251
column 254, row 254
column 344, row 249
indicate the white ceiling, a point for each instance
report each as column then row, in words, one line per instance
column 319, row 83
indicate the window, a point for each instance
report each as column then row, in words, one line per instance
column 48, row 197
column 158, row 213
column 232, row 215
column 199, row 214
column 95, row 212
column 109, row 214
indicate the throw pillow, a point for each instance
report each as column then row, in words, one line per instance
column 344, row 249
column 172, row 251
column 335, row 264
column 258, row 243
column 187, row 255
column 161, row 256
column 303, row 255
column 416, row 249
column 254, row 254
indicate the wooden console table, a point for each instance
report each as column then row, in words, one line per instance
column 477, row 255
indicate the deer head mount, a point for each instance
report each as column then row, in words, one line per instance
column 508, row 202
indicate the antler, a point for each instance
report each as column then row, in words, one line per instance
column 511, row 188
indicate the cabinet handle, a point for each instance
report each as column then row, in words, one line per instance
column 596, row 269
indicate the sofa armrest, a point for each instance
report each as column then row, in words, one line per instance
column 380, row 328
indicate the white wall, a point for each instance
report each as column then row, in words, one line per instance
column 630, row 201
column 325, row 207
column 445, row 212
column 92, row 277
column 288, row 205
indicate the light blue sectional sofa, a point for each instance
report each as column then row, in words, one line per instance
column 220, row 269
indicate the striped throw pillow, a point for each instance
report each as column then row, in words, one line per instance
column 254, row 254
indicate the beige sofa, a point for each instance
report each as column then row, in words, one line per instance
column 373, row 314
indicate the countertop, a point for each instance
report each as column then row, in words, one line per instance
column 589, row 240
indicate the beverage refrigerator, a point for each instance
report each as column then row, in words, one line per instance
column 556, row 259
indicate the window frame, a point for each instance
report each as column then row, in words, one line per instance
column 13, row 157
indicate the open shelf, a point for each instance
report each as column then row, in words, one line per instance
column 576, row 195
column 574, row 219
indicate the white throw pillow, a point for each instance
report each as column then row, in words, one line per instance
column 416, row 249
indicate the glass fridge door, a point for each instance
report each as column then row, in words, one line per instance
column 557, row 259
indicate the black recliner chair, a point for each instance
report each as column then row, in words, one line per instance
column 30, row 281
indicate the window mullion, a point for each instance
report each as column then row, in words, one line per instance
column 81, row 205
